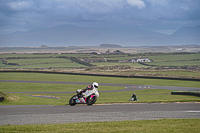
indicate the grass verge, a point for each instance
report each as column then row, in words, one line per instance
column 144, row 96
column 144, row 126
column 9, row 97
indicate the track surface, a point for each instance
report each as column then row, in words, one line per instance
column 47, row 114
column 33, row 114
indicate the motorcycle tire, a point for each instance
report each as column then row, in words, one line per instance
column 91, row 101
column 72, row 101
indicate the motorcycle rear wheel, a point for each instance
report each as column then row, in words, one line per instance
column 72, row 101
column 91, row 101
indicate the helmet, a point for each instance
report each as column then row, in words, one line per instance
column 95, row 85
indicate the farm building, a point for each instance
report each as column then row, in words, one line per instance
column 141, row 59
column 117, row 52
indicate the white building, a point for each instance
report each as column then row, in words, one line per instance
column 141, row 59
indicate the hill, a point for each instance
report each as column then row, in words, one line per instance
column 71, row 35
column 110, row 45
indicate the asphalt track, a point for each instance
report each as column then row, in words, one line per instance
column 48, row 114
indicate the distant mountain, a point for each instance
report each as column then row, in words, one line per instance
column 110, row 45
column 183, row 36
column 71, row 35
column 187, row 32
column 187, row 35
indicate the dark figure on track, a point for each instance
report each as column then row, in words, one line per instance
column 134, row 98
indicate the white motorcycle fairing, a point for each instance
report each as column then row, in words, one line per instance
column 89, row 97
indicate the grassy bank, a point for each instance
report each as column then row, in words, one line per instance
column 144, row 126
column 35, row 94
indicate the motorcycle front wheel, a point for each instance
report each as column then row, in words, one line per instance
column 90, row 100
column 72, row 101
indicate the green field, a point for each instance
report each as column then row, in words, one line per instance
column 172, row 73
column 170, row 58
column 41, row 55
column 90, row 79
column 39, row 61
column 134, row 65
column 144, row 95
column 175, row 57
column 142, row 126
column 175, row 63
column 184, row 65
column 42, row 63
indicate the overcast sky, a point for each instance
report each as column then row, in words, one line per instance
column 164, row 16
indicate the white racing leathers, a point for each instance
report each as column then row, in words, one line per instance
column 90, row 92
column 89, row 97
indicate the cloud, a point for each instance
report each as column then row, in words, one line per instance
column 137, row 3
column 18, row 5
column 38, row 13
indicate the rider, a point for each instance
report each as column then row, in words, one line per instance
column 134, row 97
column 94, row 85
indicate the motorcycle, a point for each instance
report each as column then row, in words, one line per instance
column 88, row 97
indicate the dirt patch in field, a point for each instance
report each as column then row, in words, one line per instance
column 44, row 96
